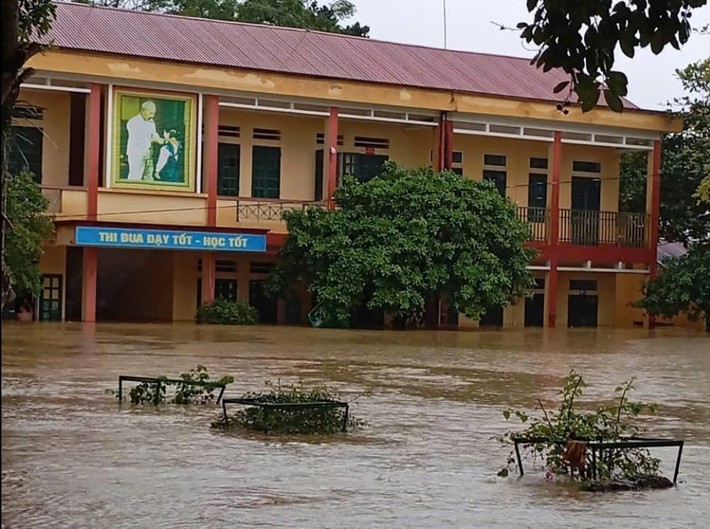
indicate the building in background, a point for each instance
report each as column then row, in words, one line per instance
column 170, row 146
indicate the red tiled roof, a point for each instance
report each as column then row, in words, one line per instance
column 296, row 51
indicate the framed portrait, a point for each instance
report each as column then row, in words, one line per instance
column 153, row 140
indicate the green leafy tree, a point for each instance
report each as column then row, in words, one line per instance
column 685, row 164
column 582, row 37
column 31, row 228
column 632, row 187
column 403, row 239
column 682, row 286
column 307, row 14
column 20, row 20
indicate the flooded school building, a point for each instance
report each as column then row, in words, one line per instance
column 170, row 146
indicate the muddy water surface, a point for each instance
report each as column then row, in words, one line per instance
column 72, row 457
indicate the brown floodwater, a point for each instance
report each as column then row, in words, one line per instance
column 73, row 457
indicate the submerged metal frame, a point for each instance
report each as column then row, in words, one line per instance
column 601, row 446
column 288, row 405
column 159, row 381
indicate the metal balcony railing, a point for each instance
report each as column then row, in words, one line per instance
column 538, row 220
column 270, row 210
column 595, row 228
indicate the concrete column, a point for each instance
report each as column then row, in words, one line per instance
column 554, row 229
column 94, row 136
column 211, row 139
column 331, row 145
column 89, row 280
column 653, row 206
column 209, row 273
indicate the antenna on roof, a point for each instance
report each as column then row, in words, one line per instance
column 445, row 43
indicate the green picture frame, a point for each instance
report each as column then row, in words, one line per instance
column 153, row 140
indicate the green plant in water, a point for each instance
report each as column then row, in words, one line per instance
column 202, row 394
column 186, row 393
column 607, row 423
column 223, row 312
column 279, row 421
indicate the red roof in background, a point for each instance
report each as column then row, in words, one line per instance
column 297, row 51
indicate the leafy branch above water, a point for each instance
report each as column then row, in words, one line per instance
column 193, row 387
column 572, row 427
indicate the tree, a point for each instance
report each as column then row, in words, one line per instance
column 685, row 162
column 404, row 238
column 20, row 22
column 287, row 13
column 682, row 286
column 582, row 38
column 26, row 207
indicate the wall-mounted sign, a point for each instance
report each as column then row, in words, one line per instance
column 168, row 239
column 153, row 140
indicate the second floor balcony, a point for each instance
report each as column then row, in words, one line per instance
column 576, row 227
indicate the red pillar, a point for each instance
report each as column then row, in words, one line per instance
column 655, row 199
column 91, row 255
column 440, row 143
column 211, row 140
column 448, row 144
column 209, row 271
column 94, row 136
column 331, row 144
column 554, row 229
column 89, row 273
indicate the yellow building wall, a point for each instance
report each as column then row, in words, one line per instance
column 518, row 154
column 185, row 285
column 605, row 291
column 610, row 161
column 409, row 146
column 628, row 291
column 55, row 127
column 152, row 207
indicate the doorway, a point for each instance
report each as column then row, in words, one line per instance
column 586, row 200
column 583, row 303
column 492, row 318
column 265, row 306
column 50, row 301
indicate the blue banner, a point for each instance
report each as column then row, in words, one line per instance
column 169, row 239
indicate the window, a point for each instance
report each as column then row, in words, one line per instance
column 225, row 289
column 364, row 167
column 25, row 148
column 586, row 167
column 583, row 285
column 457, row 162
column 374, row 143
column 256, row 267
column 537, row 190
column 228, row 169
column 498, row 160
column 267, row 134
column 266, row 172
column 494, row 171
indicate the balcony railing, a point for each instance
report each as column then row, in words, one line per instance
column 538, row 220
column 595, row 228
column 270, row 210
column 589, row 228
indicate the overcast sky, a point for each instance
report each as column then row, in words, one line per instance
column 651, row 78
